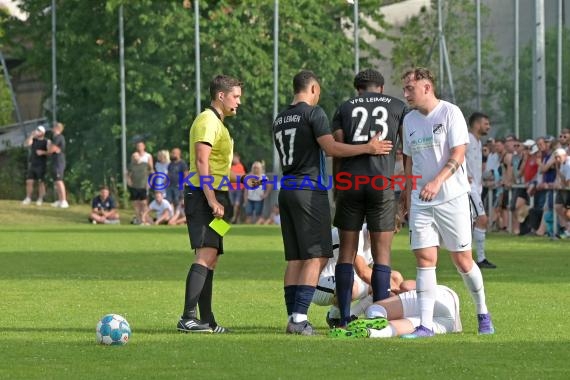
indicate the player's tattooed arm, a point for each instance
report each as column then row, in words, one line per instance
column 453, row 165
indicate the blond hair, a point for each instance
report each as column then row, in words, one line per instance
column 165, row 154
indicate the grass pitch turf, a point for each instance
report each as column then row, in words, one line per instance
column 59, row 275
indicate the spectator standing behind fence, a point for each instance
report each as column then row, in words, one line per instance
column 161, row 166
column 254, row 198
column 236, row 189
column 479, row 125
column 137, row 179
column 544, row 196
column 37, row 165
column 103, row 208
column 57, row 151
column 144, row 156
column 509, row 163
column 176, row 166
column 562, row 201
column 515, row 179
column 564, row 140
column 499, row 197
column 527, row 172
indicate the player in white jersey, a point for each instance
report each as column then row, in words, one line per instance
column 400, row 315
column 435, row 138
column 479, row 126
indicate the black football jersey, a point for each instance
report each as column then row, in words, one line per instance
column 361, row 118
column 38, row 144
column 295, row 133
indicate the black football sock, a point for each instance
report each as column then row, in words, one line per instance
column 205, row 300
column 303, row 298
column 380, row 282
column 290, row 292
column 194, row 284
column 344, row 275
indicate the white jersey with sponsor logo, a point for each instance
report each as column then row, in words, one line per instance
column 363, row 250
column 428, row 139
column 474, row 161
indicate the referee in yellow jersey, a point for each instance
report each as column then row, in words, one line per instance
column 211, row 152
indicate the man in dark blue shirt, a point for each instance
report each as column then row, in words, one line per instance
column 176, row 166
column 103, row 208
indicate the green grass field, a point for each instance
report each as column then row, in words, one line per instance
column 59, row 275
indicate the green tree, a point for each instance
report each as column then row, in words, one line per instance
column 236, row 39
column 418, row 46
column 525, row 89
column 6, row 106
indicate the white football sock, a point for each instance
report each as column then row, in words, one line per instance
column 360, row 306
column 474, row 282
column 386, row 332
column 375, row 311
column 479, row 237
column 298, row 318
column 426, row 289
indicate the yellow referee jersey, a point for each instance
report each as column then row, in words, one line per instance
column 209, row 129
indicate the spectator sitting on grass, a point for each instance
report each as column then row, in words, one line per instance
column 274, row 217
column 162, row 208
column 103, row 208
column 179, row 215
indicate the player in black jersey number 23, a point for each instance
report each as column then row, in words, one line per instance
column 301, row 134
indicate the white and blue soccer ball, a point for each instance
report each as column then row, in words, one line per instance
column 114, row 330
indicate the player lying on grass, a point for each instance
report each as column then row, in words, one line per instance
column 325, row 292
column 400, row 315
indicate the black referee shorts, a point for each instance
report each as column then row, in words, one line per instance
column 305, row 224
column 199, row 216
column 378, row 206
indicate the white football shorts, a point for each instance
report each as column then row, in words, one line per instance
column 446, row 317
column 448, row 223
column 476, row 203
column 324, row 294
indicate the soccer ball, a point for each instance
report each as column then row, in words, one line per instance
column 113, row 329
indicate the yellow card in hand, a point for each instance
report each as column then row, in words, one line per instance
column 220, row 226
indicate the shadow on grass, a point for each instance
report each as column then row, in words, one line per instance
column 241, row 330
column 86, row 228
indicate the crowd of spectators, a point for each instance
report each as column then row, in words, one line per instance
column 527, row 185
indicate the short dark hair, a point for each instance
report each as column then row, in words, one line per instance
column 223, row 83
column 476, row 116
column 103, row 187
column 366, row 78
column 420, row 73
column 303, row 79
